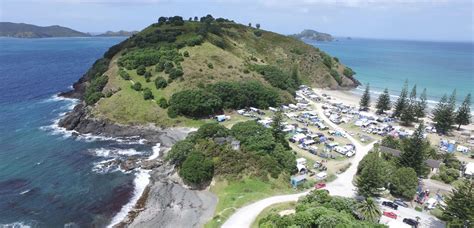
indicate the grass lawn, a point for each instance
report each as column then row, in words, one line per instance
column 276, row 208
column 235, row 194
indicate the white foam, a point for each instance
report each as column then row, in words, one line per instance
column 24, row 192
column 114, row 152
column 105, row 166
column 15, row 225
column 156, row 151
column 142, row 179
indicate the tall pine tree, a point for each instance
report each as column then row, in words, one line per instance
column 421, row 105
column 459, row 209
column 444, row 116
column 365, row 99
column 463, row 115
column 277, row 129
column 371, row 178
column 401, row 101
column 383, row 103
column 413, row 153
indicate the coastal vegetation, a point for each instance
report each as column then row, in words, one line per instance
column 319, row 209
column 459, row 209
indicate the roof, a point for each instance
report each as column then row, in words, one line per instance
column 469, row 168
column 298, row 178
column 429, row 162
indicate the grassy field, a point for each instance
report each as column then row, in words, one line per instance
column 235, row 194
column 276, row 208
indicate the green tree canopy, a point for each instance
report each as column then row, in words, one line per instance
column 459, row 208
column 369, row 210
column 383, row 103
column 404, row 182
column 197, row 169
column 463, row 115
column 365, row 99
column 402, row 102
column 414, row 151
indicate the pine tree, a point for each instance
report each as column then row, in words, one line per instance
column 413, row 95
column 459, row 209
column 371, row 178
column 421, row 105
column 383, row 103
column 444, row 116
column 401, row 101
column 277, row 129
column 463, row 115
column 408, row 114
column 413, row 154
column 365, row 99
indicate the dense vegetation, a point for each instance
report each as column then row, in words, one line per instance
column 208, row 153
column 222, row 95
column 319, row 209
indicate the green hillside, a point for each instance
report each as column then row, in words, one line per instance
column 186, row 70
column 22, row 30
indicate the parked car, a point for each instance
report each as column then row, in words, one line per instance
column 390, row 204
column 400, row 202
column 390, row 214
column 320, row 185
column 411, row 222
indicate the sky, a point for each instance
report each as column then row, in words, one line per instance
column 445, row 20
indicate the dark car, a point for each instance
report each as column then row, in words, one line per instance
column 400, row 202
column 390, row 204
column 411, row 222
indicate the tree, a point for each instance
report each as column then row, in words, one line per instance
column 197, row 169
column 383, row 103
column 401, row 103
column 365, row 99
column 196, row 18
column 444, row 116
column 141, row 70
column 160, row 82
column 186, row 54
column 163, row 103
column 413, row 95
column 250, row 24
column 421, row 105
column 463, row 115
column 147, row 94
column 179, row 152
column 371, row 178
column 194, row 103
column 369, row 210
column 413, row 154
column 459, row 209
column 147, row 75
column 408, row 114
column 137, row 86
column 277, row 129
column 257, row 26
column 404, row 182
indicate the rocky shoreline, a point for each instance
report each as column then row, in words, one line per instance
column 166, row 201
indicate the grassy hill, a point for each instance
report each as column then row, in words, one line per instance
column 207, row 66
column 21, row 30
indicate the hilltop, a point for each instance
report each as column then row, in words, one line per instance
column 22, row 30
column 309, row 34
column 176, row 72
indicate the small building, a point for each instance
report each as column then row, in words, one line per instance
column 297, row 180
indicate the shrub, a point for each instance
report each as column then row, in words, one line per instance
column 124, row 74
column 186, row 54
column 93, row 97
column 336, row 76
column 160, row 83
column 348, row 72
column 160, row 67
column 137, row 86
column 278, row 78
column 93, row 91
column 194, row 103
column 257, row 33
column 176, row 73
column 163, row 103
column 179, row 152
column 147, row 94
column 210, row 66
column 141, row 70
column 147, row 75
column 197, row 169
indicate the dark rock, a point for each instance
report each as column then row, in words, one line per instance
column 129, row 164
column 151, row 164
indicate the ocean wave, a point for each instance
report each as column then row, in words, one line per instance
column 17, row 225
column 156, row 151
column 106, row 166
column 114, row 152
column 142, row 179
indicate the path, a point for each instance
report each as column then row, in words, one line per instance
column 342, row 186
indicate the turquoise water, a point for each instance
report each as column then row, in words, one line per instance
column 439, row 67
column 49, row 178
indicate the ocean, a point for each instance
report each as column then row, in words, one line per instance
column 49, row 177
column 440, row 67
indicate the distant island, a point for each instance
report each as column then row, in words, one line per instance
column 309, row 34
column 22, row 30
column 119, row 33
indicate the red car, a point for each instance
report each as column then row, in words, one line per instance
column 390, row 214
column 320, row 185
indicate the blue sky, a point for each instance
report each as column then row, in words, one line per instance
column 389, row 19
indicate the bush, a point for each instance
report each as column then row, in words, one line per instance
column 327, row 60
column 197, row 169
column 137, row 86
column 194, row 103
column 160, row 83
column 147, row 75
column 211, row 130
column 179, row 152
column 278, row 78
column 163, row 103
column 93, row 91
column 124, row 74
column 348, row 72
column 210, row 66
column 186, row 54
column 147, row 94
column 160, row 67
column 176, row 73
column 93, row 97
column 141, row 70
column 336, row 76
column 257, row 33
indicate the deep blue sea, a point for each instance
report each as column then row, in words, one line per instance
column 440, row 67
column 48, row 177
